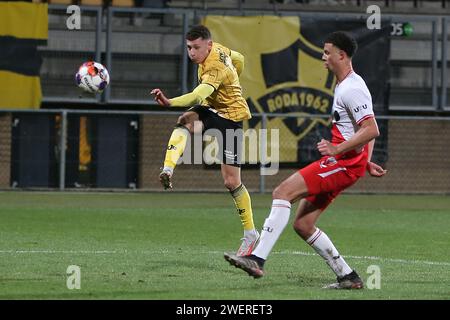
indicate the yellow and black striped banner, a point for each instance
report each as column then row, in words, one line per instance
column 23, row 27
column 284, row 73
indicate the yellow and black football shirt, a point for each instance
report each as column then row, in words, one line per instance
column 218, row 71
column 23, row 27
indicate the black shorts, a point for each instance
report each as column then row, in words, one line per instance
column 228, row 134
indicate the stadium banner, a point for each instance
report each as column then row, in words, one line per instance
column 23, row 27
column 284, row 73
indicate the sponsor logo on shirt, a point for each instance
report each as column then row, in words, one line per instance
column 364, row 106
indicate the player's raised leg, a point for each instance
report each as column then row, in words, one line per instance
column 176, row 146
column 232, row 180
column 290, row 189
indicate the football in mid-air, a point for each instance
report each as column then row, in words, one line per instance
column 92, row 77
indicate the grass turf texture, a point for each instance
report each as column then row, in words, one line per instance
column 170, row 246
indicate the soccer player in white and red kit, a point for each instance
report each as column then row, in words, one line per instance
column 344, row 160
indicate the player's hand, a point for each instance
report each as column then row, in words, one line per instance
column 160, row 98
column 375, row 170
column 326, row 148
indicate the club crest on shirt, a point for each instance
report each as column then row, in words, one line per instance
column 328, row 162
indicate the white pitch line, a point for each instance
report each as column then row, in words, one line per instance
column 301, row 253
column 60, row 251
column 437, row 263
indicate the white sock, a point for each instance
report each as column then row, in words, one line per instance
column 325, row 248
column 273, row 227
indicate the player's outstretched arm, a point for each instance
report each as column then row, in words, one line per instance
column 200, row 93
column 238, row 61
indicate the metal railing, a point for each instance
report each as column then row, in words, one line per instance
column 411, row 148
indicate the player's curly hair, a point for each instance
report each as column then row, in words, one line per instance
column 198, row 31
column 343, row 41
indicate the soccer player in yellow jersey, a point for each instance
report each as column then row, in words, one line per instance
column 216, row 103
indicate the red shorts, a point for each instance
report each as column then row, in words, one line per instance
column 327, row 178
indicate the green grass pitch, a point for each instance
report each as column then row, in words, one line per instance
column 170, row 246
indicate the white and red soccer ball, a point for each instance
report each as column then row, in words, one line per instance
column 92, row 77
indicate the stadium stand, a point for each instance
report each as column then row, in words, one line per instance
column 145, row 37
column 388, row 6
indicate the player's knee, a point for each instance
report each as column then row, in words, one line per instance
column 231, row 183
column 278, row 193
column 183, row 120
column 189, row 123
column 187, row 126
column 190, row 127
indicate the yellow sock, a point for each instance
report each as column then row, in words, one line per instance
column 244, row 206
column 176, row 146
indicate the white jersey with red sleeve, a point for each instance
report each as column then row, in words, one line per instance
column 330, row 175
column 352, row 105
